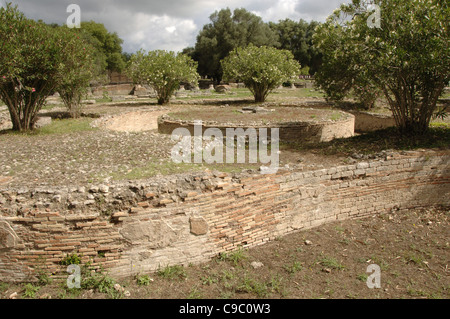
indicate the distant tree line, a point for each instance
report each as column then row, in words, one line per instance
column 229, row 30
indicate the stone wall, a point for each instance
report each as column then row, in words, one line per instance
column 294, row 131
column 118, row 89
column 192, row 217
column 368, row 122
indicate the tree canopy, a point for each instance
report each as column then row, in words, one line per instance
column 227, row 31
column 108, row 45
column 34, row 60
column 78, row 70
column 297, row 37
column 407, row 57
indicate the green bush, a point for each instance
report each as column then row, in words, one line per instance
column 34, row 60
column 406, row 58
column 261, row 69
column 163, row 70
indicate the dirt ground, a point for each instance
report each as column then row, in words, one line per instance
column 134, row 121
column 331, row 262
column 126, row 140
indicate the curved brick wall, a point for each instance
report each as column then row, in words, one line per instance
column 188, row 219
column 306, row 131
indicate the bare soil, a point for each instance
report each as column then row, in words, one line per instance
column 134, row 121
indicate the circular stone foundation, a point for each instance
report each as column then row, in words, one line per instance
column 295, row 123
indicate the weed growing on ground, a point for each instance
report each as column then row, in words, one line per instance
column 331, row 262
column 172, row 272
column 143, row 280
column 234, row 257
column 30, row 291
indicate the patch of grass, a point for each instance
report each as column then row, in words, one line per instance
column 44, row 279
column 208, row 280
column 4, row 286
column 195, row 293
column 231, row 168
column 66, row 126
column 422, row 293
column 153, row 168
column 143, row 280
column 276, row 285
column 294, row 267
column 339, row 229
column 228, row 275
column 380, row 262
column 234, row 93
column 251, row 285
column 100, row 281
column 362, row 277
column 234, row 257
column 344, row 241
column 30, row 291
column 103, row 100
column 261, row 288
column 297, row 93
column 336, row 116
column 440, row 125
column 172, row 272
column 413, row 257
column 331, row 262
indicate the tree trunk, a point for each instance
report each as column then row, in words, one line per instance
column 163, row 100
column 260, row 94
column 17, row 125
column 260, row 98
column 25, row 121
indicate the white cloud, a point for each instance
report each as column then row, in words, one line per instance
column 151, row 32
column 280, row 10
column 317, row 9
column 169, row 24
column 171, row 29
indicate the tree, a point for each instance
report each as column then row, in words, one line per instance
column 108, row 45
column 297, row 38
column 33, row 61
column 163, row 70
column 226, row 32
column 260, row 69
column 407, row 57
column 78, row 71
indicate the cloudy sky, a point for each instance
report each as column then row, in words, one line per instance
column 168, row 24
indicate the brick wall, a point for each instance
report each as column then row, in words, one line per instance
column 216, row 212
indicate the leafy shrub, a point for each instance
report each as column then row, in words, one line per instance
column 261, row 69
column 163, row 70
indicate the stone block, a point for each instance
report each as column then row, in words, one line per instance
column 43, row 121
column 8, row 237
column 199, row 226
